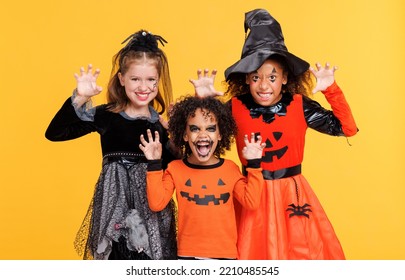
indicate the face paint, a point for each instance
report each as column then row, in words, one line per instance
column 155, row 84
column 140, row 82
column 202, row 136
column 272, row 78
column 266, row 83
column 203, row 147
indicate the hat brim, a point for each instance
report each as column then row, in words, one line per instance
column 253, row 62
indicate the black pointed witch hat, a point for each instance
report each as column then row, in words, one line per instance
column 264, row 40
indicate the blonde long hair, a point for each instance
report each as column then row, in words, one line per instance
column 143, row 45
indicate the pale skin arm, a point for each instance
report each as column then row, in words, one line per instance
column 86, row 85
column 253, row 149
column 325, row 76
column 204, row 85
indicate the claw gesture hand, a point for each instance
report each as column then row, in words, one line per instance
column 204, row 85
column 86, row 82
column 153, row 148
column 325, row 76
column 254, row 148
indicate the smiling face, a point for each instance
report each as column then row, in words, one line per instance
column 266, row 83
column 202, row 135
column 140, row 82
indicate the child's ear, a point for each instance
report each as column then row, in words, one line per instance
column 121, row 79
column 285, row 78
column 247, row 79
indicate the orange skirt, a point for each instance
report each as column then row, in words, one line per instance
column 290, row 224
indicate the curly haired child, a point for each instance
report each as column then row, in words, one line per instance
column 269, row 88
column 205, row 184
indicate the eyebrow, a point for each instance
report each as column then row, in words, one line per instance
column 146, row 77
column 196, row 126
column 274, row 70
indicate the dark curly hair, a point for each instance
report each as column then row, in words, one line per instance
column 301, row 84
column 186, row 107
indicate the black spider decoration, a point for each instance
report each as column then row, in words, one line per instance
column 143, row 41
column 299, row 210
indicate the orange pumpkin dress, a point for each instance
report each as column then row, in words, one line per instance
column 290, row 222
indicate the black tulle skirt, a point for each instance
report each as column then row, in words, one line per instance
column 119, row 223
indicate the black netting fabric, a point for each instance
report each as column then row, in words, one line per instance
column 119, row 223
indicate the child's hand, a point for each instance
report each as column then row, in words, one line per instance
column 86, row 82
column 204, row 85
column 253, row 149
column 153, row 148
column 324, row 76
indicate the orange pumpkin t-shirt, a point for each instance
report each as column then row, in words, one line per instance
column 205, row 195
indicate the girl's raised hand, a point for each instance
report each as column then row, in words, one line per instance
column 254, row 148
column 152, row 148
column 86, row 82
column 204, row 85
column 325, row 76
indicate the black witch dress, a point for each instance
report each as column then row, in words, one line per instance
column 119, row 223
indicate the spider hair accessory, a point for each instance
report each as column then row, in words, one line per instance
column 143, row 41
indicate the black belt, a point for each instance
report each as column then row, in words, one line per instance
column 125, row 158
column 280, row 173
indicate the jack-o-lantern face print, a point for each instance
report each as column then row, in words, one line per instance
column 274, row 147
column 205, row 195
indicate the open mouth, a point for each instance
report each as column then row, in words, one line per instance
column 203, row 148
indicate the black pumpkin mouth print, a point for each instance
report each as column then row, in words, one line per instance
column 215, row 197
column 271, row 150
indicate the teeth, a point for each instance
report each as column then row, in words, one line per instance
column 142, row 96
column 265, row 96
column 203, row 148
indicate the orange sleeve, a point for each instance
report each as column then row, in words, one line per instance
column 248, row 190
column 341, row 109
column 159, row 189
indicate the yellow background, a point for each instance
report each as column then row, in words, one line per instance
column 46, row 187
